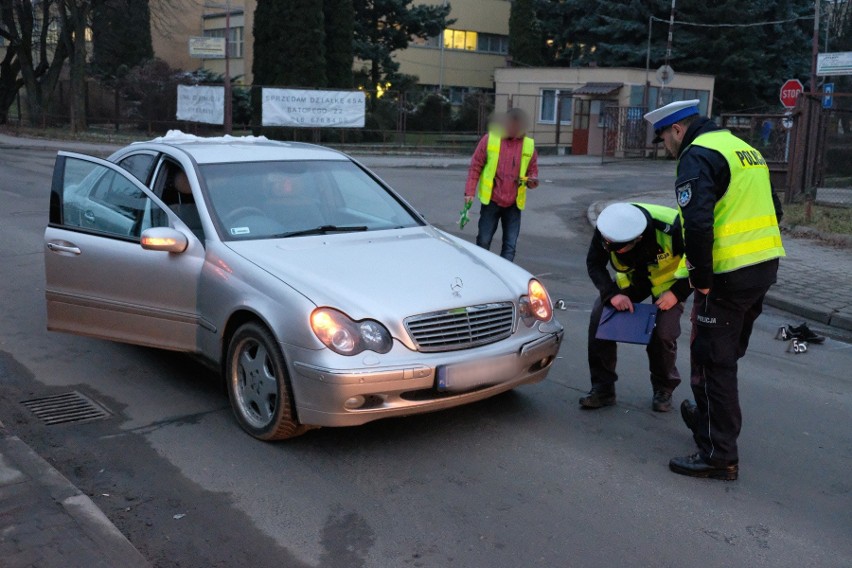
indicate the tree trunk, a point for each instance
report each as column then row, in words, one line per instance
column 78, row 18
column 375, row 76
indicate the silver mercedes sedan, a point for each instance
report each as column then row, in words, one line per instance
column 322, row 297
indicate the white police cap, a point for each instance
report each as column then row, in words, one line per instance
column 621, row 223
column 671, row 113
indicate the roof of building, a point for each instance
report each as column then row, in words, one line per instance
column 598, row 89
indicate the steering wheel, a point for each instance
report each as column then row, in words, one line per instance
column 244, row 211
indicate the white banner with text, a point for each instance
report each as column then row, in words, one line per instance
column 201, row 104
column 313, row 109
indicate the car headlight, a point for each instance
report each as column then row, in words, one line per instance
column 343, row 335
column 536, row 305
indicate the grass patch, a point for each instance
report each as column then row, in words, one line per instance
column 824, row 219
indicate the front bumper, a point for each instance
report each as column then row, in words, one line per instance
column 410, row 388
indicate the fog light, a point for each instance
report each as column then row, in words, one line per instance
column 354, row 402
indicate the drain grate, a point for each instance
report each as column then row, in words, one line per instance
column 64, row 408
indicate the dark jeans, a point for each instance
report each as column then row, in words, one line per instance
column 510, row 217
column 662, row 351
column 721, row 328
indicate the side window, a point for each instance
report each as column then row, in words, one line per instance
column 139, row 165
column 96, row 198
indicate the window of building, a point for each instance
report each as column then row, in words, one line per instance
column 433, row 42
column 460, row 39
column 637, row 93
column 235, row 42
column 493, row 43
column 547, row 106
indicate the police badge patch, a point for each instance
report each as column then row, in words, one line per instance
column 684, row 193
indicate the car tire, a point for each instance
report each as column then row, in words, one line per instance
column 259, row 385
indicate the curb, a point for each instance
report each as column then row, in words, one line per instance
column 841, row 320
column 113, row 548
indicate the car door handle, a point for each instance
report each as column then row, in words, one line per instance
column 69, row 248
column 89, row 216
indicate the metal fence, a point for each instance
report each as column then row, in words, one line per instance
column 821, row 153
column 418, row 119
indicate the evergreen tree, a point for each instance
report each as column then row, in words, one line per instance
column 525, row 34
column 385, row 26
column 289, row 43
column 749, row 63
column 339, row 37
column 121, row 35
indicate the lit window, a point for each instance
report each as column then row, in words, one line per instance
column 460, row 39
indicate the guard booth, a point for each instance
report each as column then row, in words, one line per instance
column 593, row 111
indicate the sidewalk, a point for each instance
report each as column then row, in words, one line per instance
column 813, row 281
column 402, row 158
column 47, row 522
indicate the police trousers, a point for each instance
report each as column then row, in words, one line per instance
column 722, row 323
column 662, row 351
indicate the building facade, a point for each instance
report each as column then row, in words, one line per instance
column 461, row 60
column 594, row 110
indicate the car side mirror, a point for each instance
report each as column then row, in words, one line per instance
column 164, row 239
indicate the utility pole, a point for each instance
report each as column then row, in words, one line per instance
column 815, row 47
column 645, row 101
column 668, row 49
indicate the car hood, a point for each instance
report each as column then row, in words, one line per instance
column 387, row 275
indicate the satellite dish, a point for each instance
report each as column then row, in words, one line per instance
column 665, row 75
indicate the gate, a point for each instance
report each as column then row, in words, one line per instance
column 625, row 132
column 821, row 153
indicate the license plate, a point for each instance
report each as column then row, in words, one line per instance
column 468, row 376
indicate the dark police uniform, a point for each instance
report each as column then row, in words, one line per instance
column 732, row 246
column 659, row 252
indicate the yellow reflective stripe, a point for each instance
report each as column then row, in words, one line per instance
column 737, row 227
column 749, row 247
column 623, row 280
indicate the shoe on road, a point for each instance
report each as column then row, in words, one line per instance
column 598, row 398
column 689, row 413
column 696, row 466
column 662, row 401
column 804, row 333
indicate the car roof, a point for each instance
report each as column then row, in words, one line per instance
column 229, row 149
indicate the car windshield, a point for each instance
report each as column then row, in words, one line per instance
column 262, row 200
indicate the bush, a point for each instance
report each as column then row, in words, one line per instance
column 433, row 113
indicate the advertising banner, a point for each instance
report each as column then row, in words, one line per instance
column 313, row 109
column 201, row 104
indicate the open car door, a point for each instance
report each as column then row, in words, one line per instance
column 100, row 281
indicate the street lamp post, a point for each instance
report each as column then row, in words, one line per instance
column 228, row 111
column 228, row 104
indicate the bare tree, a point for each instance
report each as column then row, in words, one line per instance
column 33, row 57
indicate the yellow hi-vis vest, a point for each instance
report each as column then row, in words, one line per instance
column 745, row 228
column 662, row 272
column 489, row 171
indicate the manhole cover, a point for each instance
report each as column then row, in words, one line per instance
column 68, row 407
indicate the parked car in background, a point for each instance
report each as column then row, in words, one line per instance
column 322, row 297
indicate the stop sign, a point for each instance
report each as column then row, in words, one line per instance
column 790, row 91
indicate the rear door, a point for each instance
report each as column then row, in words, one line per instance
column 100, row 281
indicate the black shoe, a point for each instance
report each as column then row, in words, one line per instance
column 662, row 401
column 689, row 413
column 804, row 333
column 695, row 466
column 598, row 398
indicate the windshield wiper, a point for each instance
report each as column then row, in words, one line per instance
column 322, row 230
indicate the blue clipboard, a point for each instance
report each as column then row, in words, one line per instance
column 625, row 327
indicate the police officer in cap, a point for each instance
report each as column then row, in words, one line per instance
column 732, row 245
column 643, row 244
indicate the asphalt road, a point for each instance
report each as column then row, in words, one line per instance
column 524, row 479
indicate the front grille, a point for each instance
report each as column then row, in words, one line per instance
column 462, row 327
